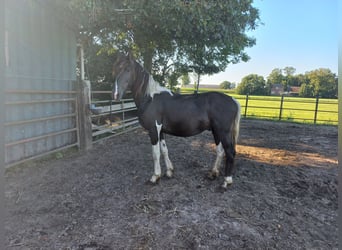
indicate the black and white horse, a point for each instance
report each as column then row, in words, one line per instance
column 161, row 111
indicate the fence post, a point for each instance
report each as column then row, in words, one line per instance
column 281, row 107
column 123, row 114
column 84, row 115
column 316, row 109
column 2, row 116
column 246, row 105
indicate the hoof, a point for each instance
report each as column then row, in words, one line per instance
column 169, row 173
column 227, row 181
column 155, row 179
column 150, row 183
column 212, row 175
column 221, row 189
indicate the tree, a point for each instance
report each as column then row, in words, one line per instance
column 289, row 71
column 289, row 77
column 252, row 84
column 199, row 36
column 323, row 82
column 226, row 85
column 185, row 79
column 306, row 90
column 275, row 77
column 173, row 80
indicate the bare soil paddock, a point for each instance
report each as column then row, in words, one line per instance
column 284, row 194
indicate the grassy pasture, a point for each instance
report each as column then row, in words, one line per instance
column 294, row 109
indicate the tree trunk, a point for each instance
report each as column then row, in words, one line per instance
column 198, row 81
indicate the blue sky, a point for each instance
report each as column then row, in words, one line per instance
column 298, row 33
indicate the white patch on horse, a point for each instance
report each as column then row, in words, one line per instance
column 218, row 161
column 227, row 181
column 159, row 127
column 156, row 160
column 168, row 163
column 116, row 90
column 155, row 88
column 156, row 156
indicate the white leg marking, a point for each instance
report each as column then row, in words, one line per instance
column 168, row 163
column 218, row 161
column 227, row 181
column 156, row 156
column 159, row 127
column 156, row 161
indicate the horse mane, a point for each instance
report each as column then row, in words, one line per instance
column 148, row 86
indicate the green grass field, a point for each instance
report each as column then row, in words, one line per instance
column 294, row 109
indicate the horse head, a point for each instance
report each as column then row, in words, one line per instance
column 123, row 73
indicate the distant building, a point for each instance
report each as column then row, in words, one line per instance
column 294, row 91
column 277, row 89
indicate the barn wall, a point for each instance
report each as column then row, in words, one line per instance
column 40, row 96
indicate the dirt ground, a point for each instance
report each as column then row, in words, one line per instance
column 284, row 194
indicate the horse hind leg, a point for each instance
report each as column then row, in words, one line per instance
column 165, row 152
column 215, row 172
column 229, row 149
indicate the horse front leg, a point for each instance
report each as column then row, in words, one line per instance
column 156, row 162
column 155, row 137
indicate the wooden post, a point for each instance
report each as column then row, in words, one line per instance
column 84, row 116
column 246, row 106
column 316, row 109
column 281, row 107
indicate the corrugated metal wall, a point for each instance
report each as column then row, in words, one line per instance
column 40, row 103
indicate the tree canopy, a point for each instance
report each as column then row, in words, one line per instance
column 320, row 82
column 180, row 35
column 323, row 83
column 252, row 84
column 227, row 85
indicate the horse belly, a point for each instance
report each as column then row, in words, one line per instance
column 186, row 127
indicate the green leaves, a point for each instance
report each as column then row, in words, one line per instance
column 252, row 84
column 205, row 36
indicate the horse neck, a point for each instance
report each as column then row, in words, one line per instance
column 139, row 87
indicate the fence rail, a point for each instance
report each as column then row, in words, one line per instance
column 32, row 130
column 121, row 117
column 308, row 110
column 111, row 117
column 284, row 108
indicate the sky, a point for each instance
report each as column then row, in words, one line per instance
column 298, row 33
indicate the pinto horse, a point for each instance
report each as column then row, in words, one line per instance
column 161, row 111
